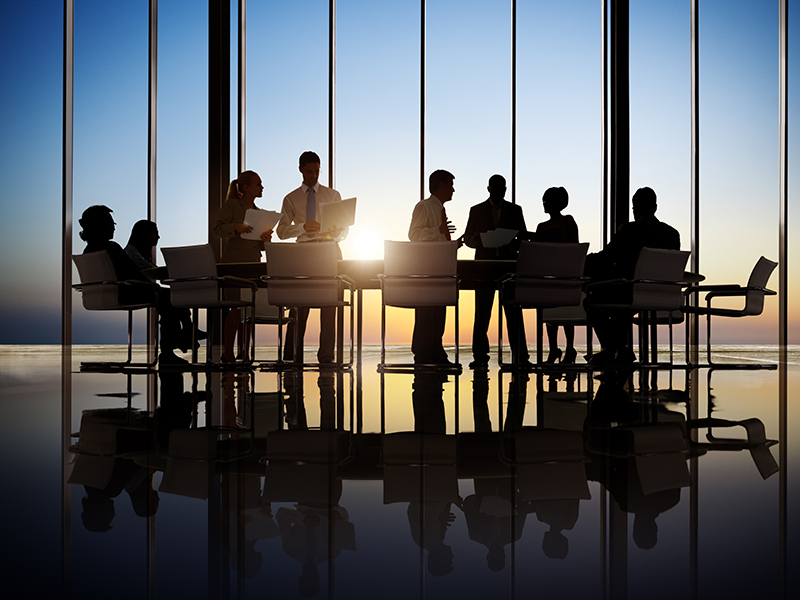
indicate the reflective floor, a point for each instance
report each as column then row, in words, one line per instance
column 642, row 484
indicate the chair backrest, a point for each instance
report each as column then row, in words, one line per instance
column 186, row 262
column 420, row 274
column 266, row 313
column 93, row 268
column 663, row 267
column 547, row 274
column 759, row 277
column 310, row 271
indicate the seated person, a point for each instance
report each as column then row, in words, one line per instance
column 98, row 229
column 618, row 261
column 559, row 229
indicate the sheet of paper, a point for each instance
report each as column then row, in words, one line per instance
column 260, row 221
column 498, row 237
column 337, row 214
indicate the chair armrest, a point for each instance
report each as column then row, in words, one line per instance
column 741, row 291
column 709, row 288
column 188, row 279
column 348, row 281
column 239, row 282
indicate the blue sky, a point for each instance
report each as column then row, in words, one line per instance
column 468, row 129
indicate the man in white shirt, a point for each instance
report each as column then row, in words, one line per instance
column 298, row 221
column 429, row 224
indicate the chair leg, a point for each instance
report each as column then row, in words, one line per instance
column 708, row 338
column 383, row 331
column 457, row 333
column 130, row 337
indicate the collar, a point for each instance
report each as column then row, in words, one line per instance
column 305, row 187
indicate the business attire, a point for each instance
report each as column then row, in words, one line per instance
column 429, row 321
column 618, row 260
column 294, row 216
column 484, row 217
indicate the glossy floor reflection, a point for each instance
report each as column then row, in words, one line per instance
column 660, row 484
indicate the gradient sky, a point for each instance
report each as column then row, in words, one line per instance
column 468, row 117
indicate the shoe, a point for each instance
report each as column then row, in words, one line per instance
column 553, row 357
column 569, row 356
column 480, row 362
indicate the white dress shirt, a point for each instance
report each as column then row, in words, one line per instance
column 294, row 214
column 426, row 221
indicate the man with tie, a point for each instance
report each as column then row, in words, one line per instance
column 429, row 224
column 301, row 219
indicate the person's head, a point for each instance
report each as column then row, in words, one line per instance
column 555, row 199
column 98, row 512
column 144, row 235
column 497, row 187
column 645, row 531
column 440, row 560
column 97, row 223
column 644, row 203
column 555, row 545
column 440, row 184
column 496, row 558
column 309, row 167
column 247, row 185
column 308, row 584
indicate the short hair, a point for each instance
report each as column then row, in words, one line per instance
column 93, row 221
column 437, row 178
column 644, row 201
column 497, row 181
column 558, row 196
column 309, row 157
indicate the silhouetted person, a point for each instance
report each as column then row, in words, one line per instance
column 429, row 224
column 143, row 239
column 98, row 504
column 98, row 231
column 559, row 515
column 301, row 219
column 618, row 260
column 562, row 229
column 230, row 225
column 492, row 214
column 489, row 518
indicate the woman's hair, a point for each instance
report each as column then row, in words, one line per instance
column 235, row 188
column 141, row 237
column 558, row 196
column 94, row 221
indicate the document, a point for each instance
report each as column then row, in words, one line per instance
column 260, row 221
column 337, row 214
column 498, row 237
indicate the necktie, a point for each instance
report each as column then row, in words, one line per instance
column 446, row 231
column 311, row 206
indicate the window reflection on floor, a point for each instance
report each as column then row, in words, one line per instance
column 354, row 484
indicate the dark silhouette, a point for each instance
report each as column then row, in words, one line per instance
column 558, row 228
column 429, row 223
column 98, row 231
column 229, row 226
column 491, row 214
column 617, row 261
column 297, row 222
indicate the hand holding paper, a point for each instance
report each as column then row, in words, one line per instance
column 261, row 221
column 498, row 237
column 337, row 215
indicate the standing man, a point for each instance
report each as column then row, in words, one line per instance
column 429, row 224
column 300, row 219
column 491, row 214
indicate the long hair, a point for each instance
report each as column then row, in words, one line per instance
column 141, row 236
column 236, row 186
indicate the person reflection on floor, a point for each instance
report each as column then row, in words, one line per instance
column 559, row 515
column 430, row 519
column 98, row 504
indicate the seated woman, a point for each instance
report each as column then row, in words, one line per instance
column 560, row 229
column 144, row 237
column 98, row 229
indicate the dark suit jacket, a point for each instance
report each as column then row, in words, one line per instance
column 620, row 256
column 480, row 221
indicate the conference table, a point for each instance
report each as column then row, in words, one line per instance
column 472, row 274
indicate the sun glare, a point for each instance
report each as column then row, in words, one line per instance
column 363, row 245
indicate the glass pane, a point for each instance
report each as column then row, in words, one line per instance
column 739, row 154
column 110, row 149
